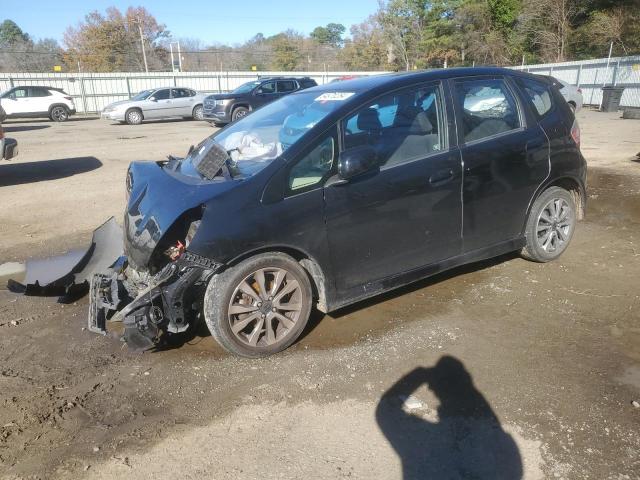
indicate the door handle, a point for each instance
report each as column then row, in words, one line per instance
column 441, row 177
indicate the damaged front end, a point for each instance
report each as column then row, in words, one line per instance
column 144, row 276
column 149, row 305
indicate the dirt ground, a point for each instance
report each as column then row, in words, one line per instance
column 503, row 369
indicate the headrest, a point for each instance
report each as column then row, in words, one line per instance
column 369, row 120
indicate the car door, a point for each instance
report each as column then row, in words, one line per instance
column 505, row 156
column 264, row 94
column 16, row 101
column 158, row 105
column 405, row 214
column 182, row 100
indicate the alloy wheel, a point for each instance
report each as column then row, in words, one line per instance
column 265, row 307
column 554, row 226
column 59, row 114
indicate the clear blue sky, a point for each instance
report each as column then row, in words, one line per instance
column 213, row 21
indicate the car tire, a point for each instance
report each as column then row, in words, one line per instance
column 239, row 112
column 550, row 225
column 59, row 113
column 572, row 106
column 263, row 324
column 198, row 113
column 133, row 116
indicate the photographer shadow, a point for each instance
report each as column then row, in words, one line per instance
column 467, row 440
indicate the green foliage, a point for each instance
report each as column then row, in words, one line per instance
column 504, row 14
column 329, row 35
column 286, row 49
column 11, row 33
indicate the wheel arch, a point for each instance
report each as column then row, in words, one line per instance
column 575, row 188
column 310, row 265
column 54, row 105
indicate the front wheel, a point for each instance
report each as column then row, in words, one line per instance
column 238, row 113
column 198, row 113
column 260, row 306
column 133, row 117
column 59, row 114
column 550, row 225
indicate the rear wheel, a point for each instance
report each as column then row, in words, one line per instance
column 198, row 113
column 260, row 306
column 133, row 117
column 59, row 114
column 239, row 112
column 550, row 225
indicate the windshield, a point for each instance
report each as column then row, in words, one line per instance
column 142, row 95
column 246, row 87
column 257, row 139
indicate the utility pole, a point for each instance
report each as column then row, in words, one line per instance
column 144, row 54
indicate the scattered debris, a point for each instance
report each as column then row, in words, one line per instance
column 635, row 403
column 412, row 403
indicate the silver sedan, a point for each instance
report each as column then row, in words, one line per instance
column 156, row 104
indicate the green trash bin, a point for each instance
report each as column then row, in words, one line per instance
column 611, row 97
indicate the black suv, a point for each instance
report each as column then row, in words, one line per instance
column 222, row 108
column 338, row 193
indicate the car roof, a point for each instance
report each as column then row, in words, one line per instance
column 400, row 79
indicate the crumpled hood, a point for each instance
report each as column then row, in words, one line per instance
column 157, row 199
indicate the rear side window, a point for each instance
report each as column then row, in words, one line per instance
column 285, row 86
column 488, row 108
column 539, row 95
column 308, row 83
column 39, row 92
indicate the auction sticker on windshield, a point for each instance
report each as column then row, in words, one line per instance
column 334, row 96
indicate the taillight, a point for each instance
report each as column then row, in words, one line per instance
column 69, row 98
column 575, row 133
column 580, row 90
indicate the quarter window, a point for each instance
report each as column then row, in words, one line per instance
column 539, row 95
column 400, row 127
column 313, row 167
column 488, row 108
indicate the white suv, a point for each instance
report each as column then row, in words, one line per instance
column 37, row 102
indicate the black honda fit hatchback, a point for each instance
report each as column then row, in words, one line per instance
column 340, row 192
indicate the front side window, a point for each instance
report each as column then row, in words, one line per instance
column 488, row 108
column 161, row 94
column 267, row 88
column 20, row 93
column 539, row 95
column 400, row 127
column 313, row 168
column 285, row 86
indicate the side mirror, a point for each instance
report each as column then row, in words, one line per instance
column 356, row 161
column 153, row 99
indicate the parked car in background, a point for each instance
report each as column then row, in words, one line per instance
column 571, row 93
column 345, row 77
column 222, row 108
column 38, row 101
column 378, row 182
column 8, row 146
column 156, row 104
